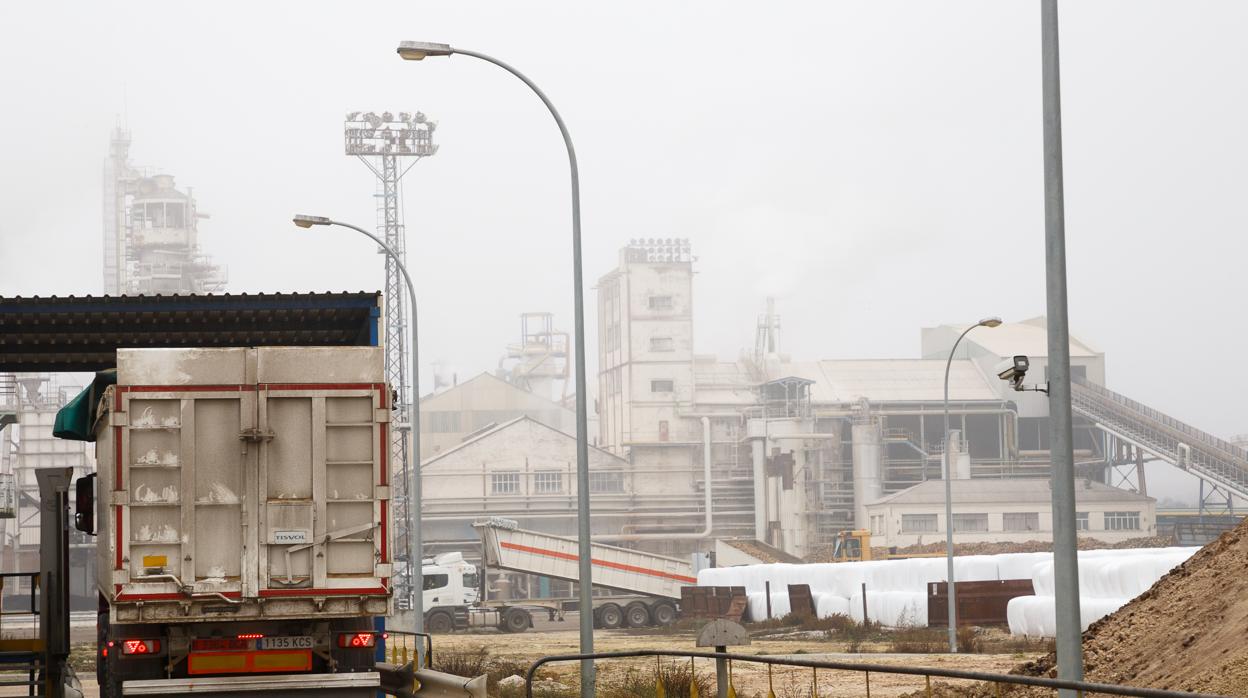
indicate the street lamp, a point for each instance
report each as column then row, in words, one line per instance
column 415, row 542
column 953, row 606
column 417, row 51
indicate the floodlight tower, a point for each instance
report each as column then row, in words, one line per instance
column 380, row 141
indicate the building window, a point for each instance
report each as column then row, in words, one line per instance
column 505, row 483
column 918, row 523
column 613, row 337
column 970, row 523
column 441, row 422
column 548, row 482
column 1021, row 521
column 662, row 344
column 660, row 302
column 1081, row 521
column 877, row 525
column 606, row 482
column 662, row 386
column 1122, row 521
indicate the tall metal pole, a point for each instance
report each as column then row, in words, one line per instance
column 953, row 604
column 1065, row 556
column 415, row 539
column 584, row 587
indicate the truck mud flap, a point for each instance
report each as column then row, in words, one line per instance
column 363, row 684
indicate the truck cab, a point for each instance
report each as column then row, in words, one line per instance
column 450, row 581
column 451, row 586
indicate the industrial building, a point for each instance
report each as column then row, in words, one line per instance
column 151, row 246
column 800, row 449
column 464, row 410
column 26, row 446
column 151, row 231
column 785, row 451
column 1006, row 510
column 525, row 470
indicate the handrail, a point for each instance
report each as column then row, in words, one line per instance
column 1182, row 427
column 1083, row 686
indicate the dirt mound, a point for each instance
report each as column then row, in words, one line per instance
column 1031, row 546
column 1185, row 633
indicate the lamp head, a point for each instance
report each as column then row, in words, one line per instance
column 419, row 50
column 990, row 321
column 305, row 221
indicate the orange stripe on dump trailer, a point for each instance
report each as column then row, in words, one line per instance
column 601, row 563
column 199, row 663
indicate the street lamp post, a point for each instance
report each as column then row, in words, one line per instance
column 415, row 541
column 1061, row 443
column 419, row 50
column 953, row 605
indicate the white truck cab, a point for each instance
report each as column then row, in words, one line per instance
column 450, row 581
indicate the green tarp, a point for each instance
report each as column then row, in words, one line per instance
column 74, row 420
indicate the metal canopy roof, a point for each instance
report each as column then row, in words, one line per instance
column 83, row 334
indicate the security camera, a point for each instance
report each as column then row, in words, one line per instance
column 1014, row 370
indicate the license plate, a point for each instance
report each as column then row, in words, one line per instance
column 296, row 642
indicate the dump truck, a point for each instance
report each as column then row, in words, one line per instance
column 644, row 587
column 244, row 521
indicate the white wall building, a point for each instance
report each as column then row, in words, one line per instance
column 525, row 470
column 1014, row 510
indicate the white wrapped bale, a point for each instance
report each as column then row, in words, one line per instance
column 828, row 605
column 1036, row 616
column 891, row 608
column 1107, row 579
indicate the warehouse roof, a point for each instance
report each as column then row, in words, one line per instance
column 540, row 439
column 891, row 380
column 1030, row 337
column 1005, row 491
column 842, row 381
column 83, row 333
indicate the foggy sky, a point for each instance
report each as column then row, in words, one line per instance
column 876, row 166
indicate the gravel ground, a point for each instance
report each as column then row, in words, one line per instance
column 748, row 679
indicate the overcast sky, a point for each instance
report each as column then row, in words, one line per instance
column 876, row 166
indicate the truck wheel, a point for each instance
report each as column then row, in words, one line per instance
column 664, row 614
column 610, row 616
column 636, row 615
column 439, row 623
column 516, row 620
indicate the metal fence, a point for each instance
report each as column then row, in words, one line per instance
column 927, row 673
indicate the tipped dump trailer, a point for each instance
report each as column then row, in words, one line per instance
column 648, row 585
column 244, row 521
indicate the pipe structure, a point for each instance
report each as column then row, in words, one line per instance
column 758, row 450
column 706, row 470
column 867, row 449
column 1065, row 555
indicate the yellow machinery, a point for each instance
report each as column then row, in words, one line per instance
column 852, row 546
column 855, row 546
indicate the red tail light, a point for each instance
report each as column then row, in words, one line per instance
column 357, row 640
column 250, row 636
column 140, row 646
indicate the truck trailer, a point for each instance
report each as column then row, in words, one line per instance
column 244, row 521
column 644, row 587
